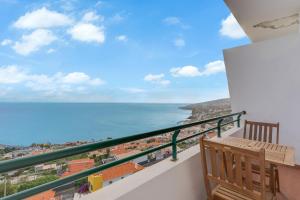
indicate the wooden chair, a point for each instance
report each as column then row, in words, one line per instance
column 262, row 131
column 232, row 182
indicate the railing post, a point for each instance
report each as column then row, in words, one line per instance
column 239, row 120
column 219, row 127
column 174, row 145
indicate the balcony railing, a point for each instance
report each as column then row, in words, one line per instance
column 6, row 166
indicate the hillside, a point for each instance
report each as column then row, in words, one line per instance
column 209, row 109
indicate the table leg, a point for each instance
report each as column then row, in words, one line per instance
column 272, row 179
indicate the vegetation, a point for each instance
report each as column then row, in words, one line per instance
column 81, row 182
column 39, row 181
column 80, row 156
column 98, row 159
column 10, row 189
column 7, row 150
column 44, row 146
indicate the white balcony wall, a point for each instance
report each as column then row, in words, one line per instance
column 166, row 180
column 264, row 80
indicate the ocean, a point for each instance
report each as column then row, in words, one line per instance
column 27, row 123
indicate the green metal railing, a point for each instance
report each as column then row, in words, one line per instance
column 6, row 166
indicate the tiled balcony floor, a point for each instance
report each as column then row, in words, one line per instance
column 289, row 183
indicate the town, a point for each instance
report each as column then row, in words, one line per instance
column 19, row 180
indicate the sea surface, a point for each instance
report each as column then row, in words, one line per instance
column 27, row 123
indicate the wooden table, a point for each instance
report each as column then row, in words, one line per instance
column 275, row 153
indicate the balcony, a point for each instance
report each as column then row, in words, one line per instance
column 186, row 162
column 178, row 177
column 263, row 79
column 182, row 180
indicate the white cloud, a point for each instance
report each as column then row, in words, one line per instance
column 50, row 51
column 157, row 79
column 192, row 71
column 34, row 41
column 179, row 42
column 79, row 78
column 42, row 18
column 92, row 16
column 231, row 28
column 172, row 20
column 117, row 18
column 75, row 78
column 122, row 38
column 11, row 75
column 58, row 82
column 6, row 42
column 134, row 90
column 99, row 3
column 87, row 32
column 4, row 91
column 214, row 67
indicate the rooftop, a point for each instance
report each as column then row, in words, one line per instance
column 120, row 170
column 48, row 195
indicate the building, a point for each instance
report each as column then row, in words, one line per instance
column 119, row 172
column 48, row 195
column 75, row 166
column 140, row 160
column 43, row 167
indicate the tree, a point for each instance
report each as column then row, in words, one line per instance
column 10, row 189
column 39, row 181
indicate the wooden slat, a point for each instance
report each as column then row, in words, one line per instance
column 265, row 134
column 250, row 132
column 238, row 168
column 248, row 171
column 222, row 165
column 229, row 171
column 260, row 133
column 213, row 160
column 270, row 134
column 204, row 168
column 255, row 132
column 262, row 173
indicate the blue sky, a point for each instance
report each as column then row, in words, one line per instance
column 115, row 51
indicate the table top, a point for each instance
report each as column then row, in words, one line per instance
column 275, row 153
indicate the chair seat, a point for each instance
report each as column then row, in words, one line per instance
column 223, row 193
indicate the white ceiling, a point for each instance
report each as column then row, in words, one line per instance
column 252, row 12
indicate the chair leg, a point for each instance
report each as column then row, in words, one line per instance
column 277, row 180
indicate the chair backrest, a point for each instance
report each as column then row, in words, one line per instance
column 230, row 167
column 261, row 131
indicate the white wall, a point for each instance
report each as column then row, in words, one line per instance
column 264, row 80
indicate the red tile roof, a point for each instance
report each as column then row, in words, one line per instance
column 120, row 170
column 48, row 195
column 75, row 166
column 119, row 150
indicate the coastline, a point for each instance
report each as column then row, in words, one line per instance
column 208, row 109
column 196, row 112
